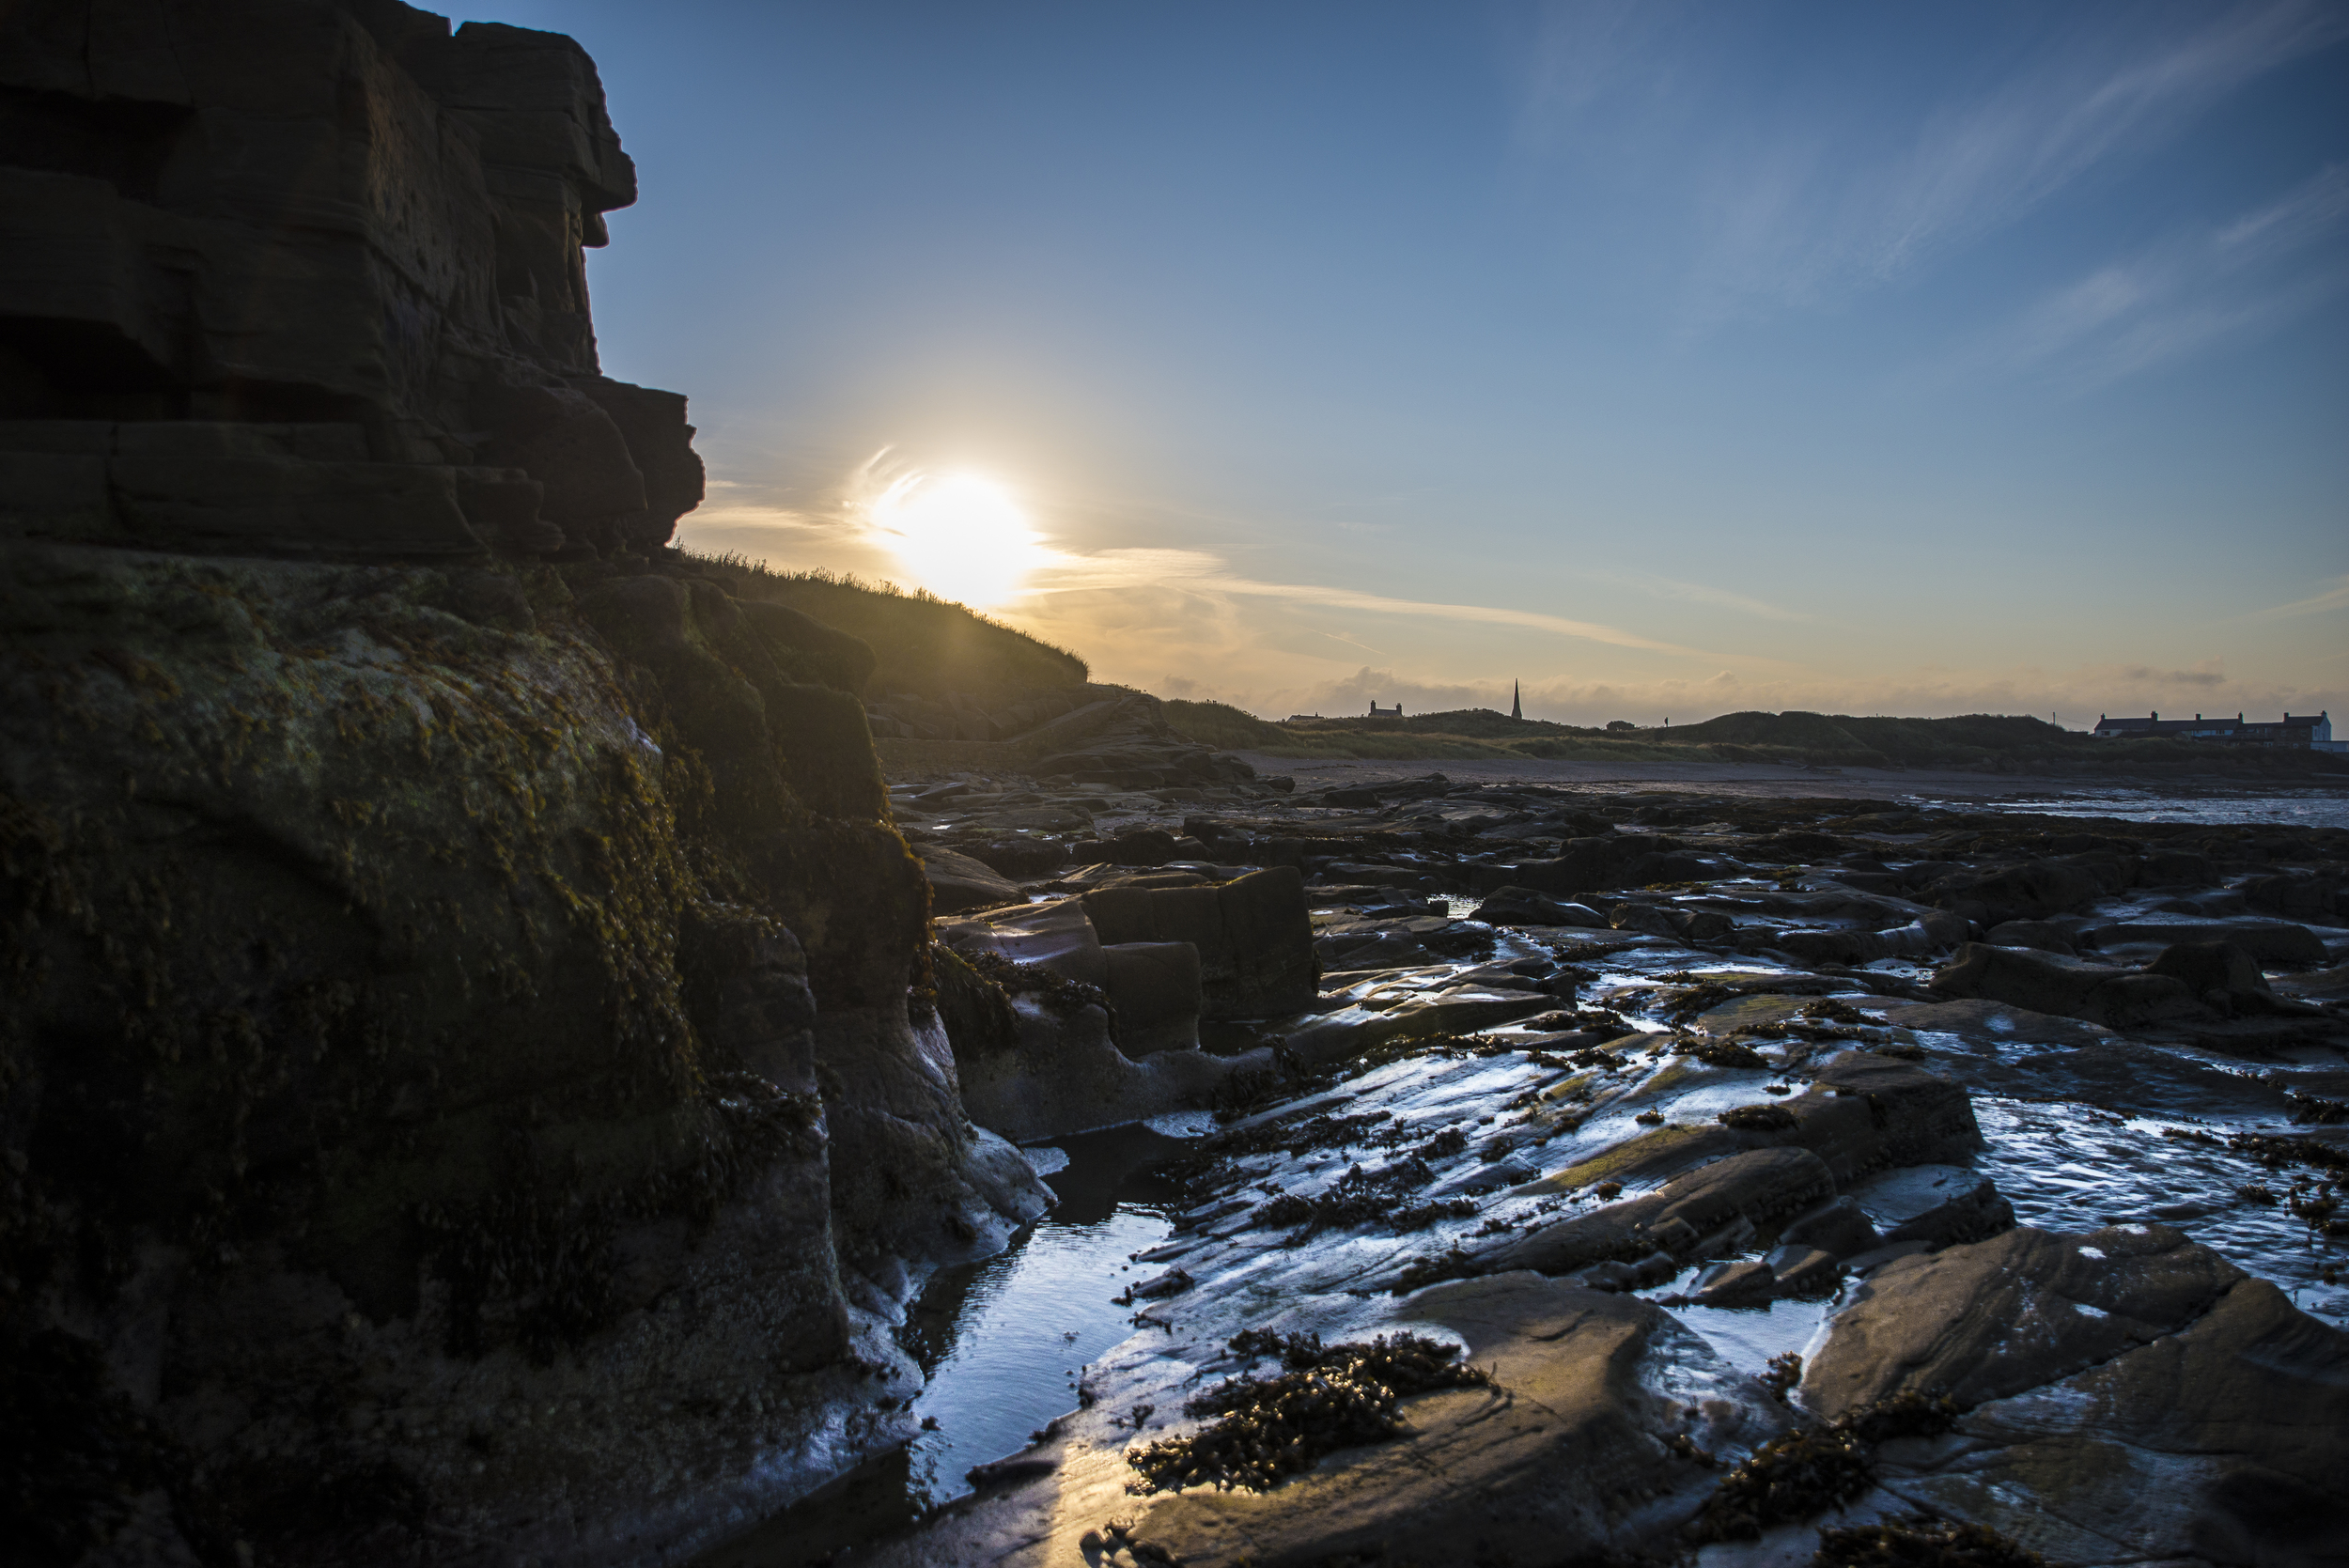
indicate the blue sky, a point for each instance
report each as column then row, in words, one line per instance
column 1669, row 358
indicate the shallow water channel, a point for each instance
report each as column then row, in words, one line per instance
column 1001, row 1342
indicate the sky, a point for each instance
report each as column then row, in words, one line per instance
column 1669, row 359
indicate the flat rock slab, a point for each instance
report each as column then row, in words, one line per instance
column 958, row 883
column 1332, row 1037
column 2224, row 1442
column 1995, row 1319
column 1564, row 1457
column 1764, row 1010
column 1994, row 1022
column 1994, row 1048
column 2269, row 942
column 2074, row 988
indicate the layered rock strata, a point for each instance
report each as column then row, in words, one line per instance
column 458, row 1080
column 299, row 278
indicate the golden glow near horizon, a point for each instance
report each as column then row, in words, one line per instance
column 960, row 535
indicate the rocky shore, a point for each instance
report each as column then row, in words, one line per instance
column 1596, row 1081
column 491, row 1043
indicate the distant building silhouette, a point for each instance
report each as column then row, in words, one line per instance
column 1517, row 701
column 2301, row 730
column 1377, row 712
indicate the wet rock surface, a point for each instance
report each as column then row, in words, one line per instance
column 1610, row 1156
column 499, row 1025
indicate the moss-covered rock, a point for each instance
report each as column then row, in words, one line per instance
column 430, row 992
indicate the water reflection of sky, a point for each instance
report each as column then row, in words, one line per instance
column 1002, row 1340
column 2301, row 809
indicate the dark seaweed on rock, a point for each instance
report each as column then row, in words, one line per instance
column 1277, row 1427
column 2279, row 1152
column 1297, row 1351
column 1060, row 993
column 1805, row 1473
column 2321, row 1112
column 1757, row 1118
column 1921, row 1544
column 1364, row 1198
column 1725, row 1053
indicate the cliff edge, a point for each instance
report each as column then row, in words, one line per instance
column 458, row 1093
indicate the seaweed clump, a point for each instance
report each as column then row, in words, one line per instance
column 1757, row 1118
column 1805, row 1473
column 1921, row 1544
column 1362, row 1198
column 1340, row 1396
column 1725, row 1053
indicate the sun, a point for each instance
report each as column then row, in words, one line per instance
column 960, row 535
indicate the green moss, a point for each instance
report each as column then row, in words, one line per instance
column 395, row 944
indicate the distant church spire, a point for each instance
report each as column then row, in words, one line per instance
column 1517, row 701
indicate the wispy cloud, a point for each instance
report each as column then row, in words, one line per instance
column 1703, row 593
column 1200, row 571
column 1847, row 192
column 2190, row 292
column 2334, row 598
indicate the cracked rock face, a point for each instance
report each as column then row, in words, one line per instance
column 295, row 278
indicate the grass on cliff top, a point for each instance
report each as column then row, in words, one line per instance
column 925, row 644
column 2011, row 742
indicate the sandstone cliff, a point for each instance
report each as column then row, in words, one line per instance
column 457, row 1083
column 306, row 279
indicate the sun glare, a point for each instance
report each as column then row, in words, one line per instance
column 960, row 536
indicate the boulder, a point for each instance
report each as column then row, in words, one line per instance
column 2221, row 974
column 1582, row 865
column 1020, row 858
column 1995, row 1318
column 1062, row 1074
column 958, row 883
column 1682, row 1216
column 1990, row 1024
column 2032, row 891
column 2272, row 942
column 1929, row 934
column 1333, row 1037
column 1155, row 988
column 1570, row 1456
column 2226, row 1438
column 2036, row 934
column 1055, row 934
column 1940, row 1204
column 1865, row 1111
column 2099, row 993
column 2293, row 897
column 1839, row 1227
column 1253, row 935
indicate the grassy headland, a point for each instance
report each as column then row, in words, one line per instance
column 925, row 644
column 1997, row 742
